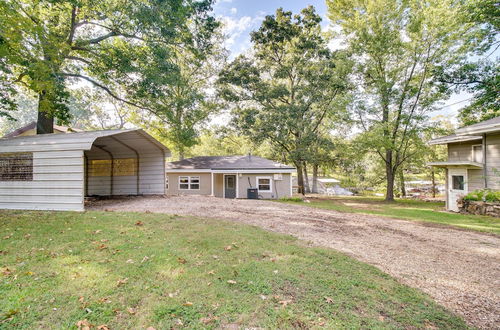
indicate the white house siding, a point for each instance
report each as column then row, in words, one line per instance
column 493, row 160
column 57, row 183
column 280, row 188
column 475, row 179
column 205, row 184
column 461, row 151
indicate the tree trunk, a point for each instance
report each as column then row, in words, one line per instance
column 300, row 179
column 45, row 122
column 389, row 171
column 402, row 182
column 433, row 177
column 181, row 154
column 315, row 179
column 307, row 188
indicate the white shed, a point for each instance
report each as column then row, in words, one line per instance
column 56, row 171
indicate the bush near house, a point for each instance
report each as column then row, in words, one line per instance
column 484, row 195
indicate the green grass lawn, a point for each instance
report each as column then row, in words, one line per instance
column 404, row 209
column 133, row 270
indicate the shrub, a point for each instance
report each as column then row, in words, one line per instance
column 291, row 199
column 483, row 195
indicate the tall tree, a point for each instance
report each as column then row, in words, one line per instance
column 45, row 44
column 285, row 90
column 397, row 45
column 177, row 109
column 479, row 73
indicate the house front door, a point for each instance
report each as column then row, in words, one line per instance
column 230, row 186
column 457, row 186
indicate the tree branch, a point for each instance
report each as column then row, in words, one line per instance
column 106, row 89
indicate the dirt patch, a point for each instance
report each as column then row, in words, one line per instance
column 459, row 269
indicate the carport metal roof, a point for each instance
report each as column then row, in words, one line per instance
column 69, row 141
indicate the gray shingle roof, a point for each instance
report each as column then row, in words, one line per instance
column 227, row 162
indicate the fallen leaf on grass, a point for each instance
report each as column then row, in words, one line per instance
column 102, row 327
column 6, row 271
column 131, row 310
column 263, row 297
column 83, row 325
column 96, row 231
column 284, row 303
column 181, row 260
column 102, row 247
column 212, row 272
column 121, row 282
column 146, row 258
column 130, row 261
column 2, row 253
column 27, row 236
column 139, row 223
column 187, row 304
column 7, row 237
column 208, row 319
column 231, row 282
column 228, row 248
column 328, row 300
column 150, row 328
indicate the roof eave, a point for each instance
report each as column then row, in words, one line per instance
column 454, row 164
column 479, row 130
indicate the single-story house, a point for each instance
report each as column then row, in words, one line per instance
column 230, row 177
column 473, row 160
column 30, row 129
column 57, row 171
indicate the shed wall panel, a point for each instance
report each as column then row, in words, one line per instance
column 55, row 185
column 493, row 160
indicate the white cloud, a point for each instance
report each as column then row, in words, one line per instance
column 233, row 10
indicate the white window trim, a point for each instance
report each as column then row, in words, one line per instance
column 473, row 152
column 270, row 183
column 189, row 182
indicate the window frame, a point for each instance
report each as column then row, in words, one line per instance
column 270, row 184
column 189, row 183
column 474, row 153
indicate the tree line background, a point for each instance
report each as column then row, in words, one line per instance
column 361, row 112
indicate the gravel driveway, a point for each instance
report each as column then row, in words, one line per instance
column 459, row 269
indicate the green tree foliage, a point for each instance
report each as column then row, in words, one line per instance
column 176, row 110
column 285, row 90
column 44, row 44
column 479, row 77
column 396, row 46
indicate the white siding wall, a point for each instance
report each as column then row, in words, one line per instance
column 57, row 184
column 493, row 161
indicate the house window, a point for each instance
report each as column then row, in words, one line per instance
column 264, row 184
column 121, row 167
column 189, row 183
column 458, row 182
column 16, row 166
column 477, row 153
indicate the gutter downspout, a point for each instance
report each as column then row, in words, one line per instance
column 485, row 170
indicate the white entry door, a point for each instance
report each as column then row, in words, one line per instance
column 457, row 186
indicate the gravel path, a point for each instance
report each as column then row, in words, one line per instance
column 459, row 269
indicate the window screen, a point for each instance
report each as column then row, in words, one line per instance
column 189, row 183
column 458, row 182
column 264, row 184
column 16, row 166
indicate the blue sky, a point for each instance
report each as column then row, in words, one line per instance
column 243, row 16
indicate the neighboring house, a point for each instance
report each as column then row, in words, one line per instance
column 57, row 171
column 30, row 129
column 473, row 160
column 229, row 177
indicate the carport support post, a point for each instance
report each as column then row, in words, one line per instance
column 212, row 179
column 485, row 169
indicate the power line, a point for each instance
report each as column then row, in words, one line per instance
column 449, row 105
